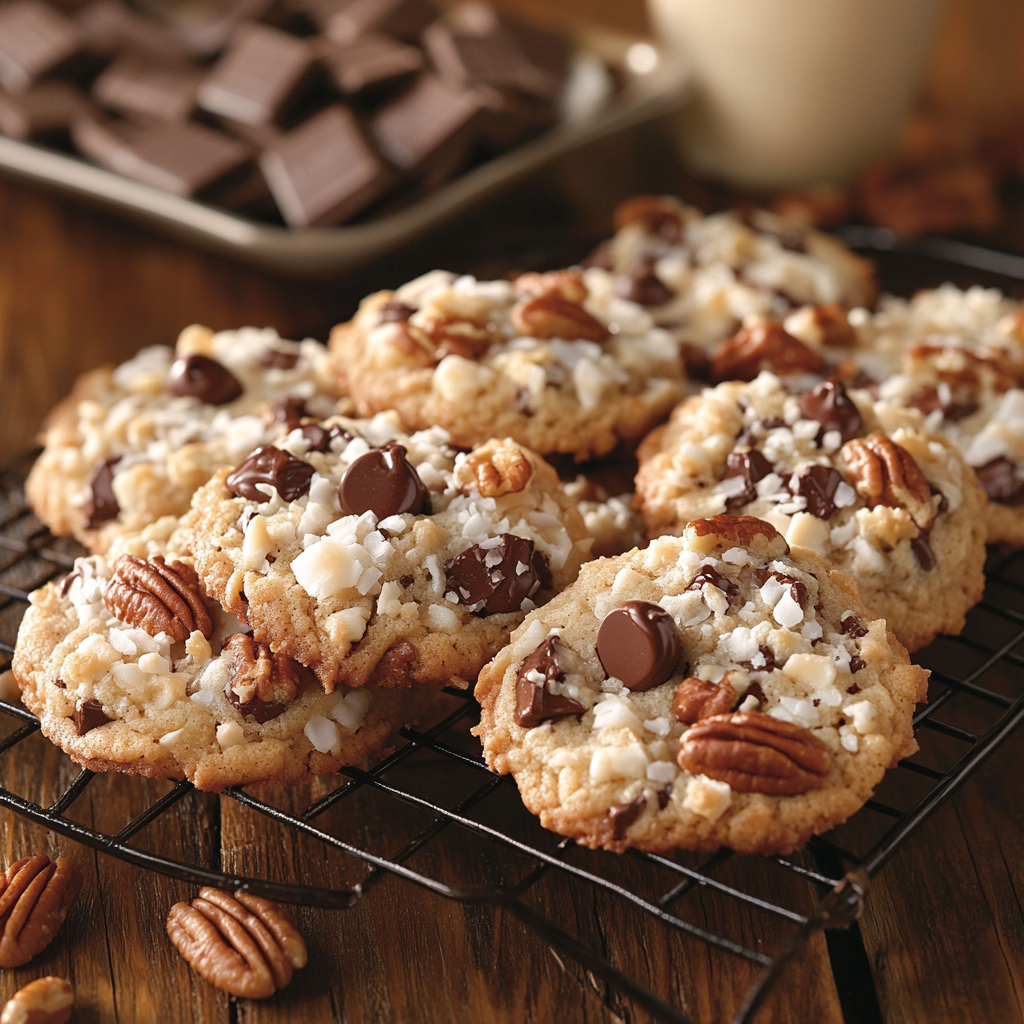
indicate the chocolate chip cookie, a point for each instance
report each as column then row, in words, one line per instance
column 714, row 689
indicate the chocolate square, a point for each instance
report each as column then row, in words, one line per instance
column 206, row 26
column 47, row 109
column 369, row 64
column 405, row 19
column 258, row 76
column 35, row 40
column 109, row 28
column 324, row 171
column 148, row 88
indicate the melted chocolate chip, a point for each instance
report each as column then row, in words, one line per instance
column 797, row 588
column 88, row 716
column 930, row 397
column 497, row 579
column 852, row 626
column 664, row 795
column 1003, row 481
column 101, row 505
column 275, row 359
column 856, row 664
column 818, row 486
column 203, row 378
column 638, row 643
column 830, row 405
column 751, row 466
column 67, row 579
column 643, row 286
column 290, row 412
column 923, row 550
column 707, row 574
column 535, row 703
column 383, row 482
column 394, row 313
column 260, row 710
column 621, row 816
column 270, row 465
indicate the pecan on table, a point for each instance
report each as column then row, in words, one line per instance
column 762, row 345
column 35, row 896
column 885, row 473
column 498, row 468
column 242, row 944
column 697, row 698
column 262, row 683
column 552, row 315
column 755, row 753
column 157, row 597
column 46, row 1000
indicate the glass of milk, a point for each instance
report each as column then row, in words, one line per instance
column 795, row 92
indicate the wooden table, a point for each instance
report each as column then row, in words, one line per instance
column 943, row 933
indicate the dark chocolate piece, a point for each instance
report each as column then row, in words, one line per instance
column 46, row 109
column 149, row 89
column 707, row 574
column 204, row 378
column 270, row 465
column 289, row 412
column 206, row 26
column 638, row 643
column 89, row 715
column 35, row 40
column 642, row 285
column 383, row 482
column 830, row 405
column 69, row 578
column 852, row 626
column 276, row 359
column 797, row 588
column 497, row 579
column 324, row 171
column 369, row 63
column 352, row 19
column 923, row 550
column 856, row 664
column 1002, row 481
column 535, row 703
column 101, row 504
column 751, row 466
column 818, row 485
column 110, row 28
column 258, row 76
column 930, row 397
column 621, row 816
column 769, row 666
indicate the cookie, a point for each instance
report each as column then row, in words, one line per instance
column 381, row 558
column 702, row 277
column 859, row 481
column 132, row 444
column 714, row 689
column 129, row 668
column 540, row 360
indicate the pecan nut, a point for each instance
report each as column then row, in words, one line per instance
column 262, row 682
column 762, row 345
column 885, row 473
column 35, row 896
column 737, row 531
column 553, row 316
column 963, row 369
column 756, row 753
column 497, row 468
column 242, row 944
column 157, row 597
column 567, row 283
column 697, row 698
column 46, row 1000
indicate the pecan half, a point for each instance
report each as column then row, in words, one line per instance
column 567, row 283
column 46, row 1000
column 262, row 683
column 35, row 897
column 697, row 698
column 738, row 531
column 499, row 467
column 762, row 345
column 658, row 215
column 553, row 316
column 242, row 944
column 157, row 597
column 885, row 473
column 756, row 753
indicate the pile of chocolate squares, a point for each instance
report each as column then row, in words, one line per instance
column 306, row 110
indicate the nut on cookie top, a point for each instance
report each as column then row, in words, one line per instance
column 544, row 359
column 711, row 689
column 405, row 560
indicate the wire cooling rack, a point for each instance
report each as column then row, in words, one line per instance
column 976, row 699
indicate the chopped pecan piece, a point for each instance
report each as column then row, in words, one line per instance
column 762, row 345
column 697, row 698
column 464, row 336
column 658, row 215
column 35, row 897
column 157, row 597
column 740, row 531
column 567, row 283
column 553, row 316
column 46, row 1000
column 244, row 944
column 499, row 467
column 756, row 753
column 885, row 473
column 262, row 683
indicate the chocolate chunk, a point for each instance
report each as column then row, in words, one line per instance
column 258, row 709
column 258, row 76
column 769, row 666
column 352, row 19
column 638, row 643
column 207, row 26
column 60, row 684
column 101, row 505
column 324, row 171
column 621, row 816
column 394, row 312
column 383, row 482
column 642, row 285
column 931, row 397
column 852, row 626
column 110, row 28
column 406, row 581
column 35, row 40
column 751, row 466
column 923, row 550
column 204, row 378
column 797, row 588
column 856, row 664
column 318, row 438
column 830, row 405
column 48, row 108
column 180, row 157
column 535, row 703
column 149, row 89
column 818, row 486
column 664, row 795
column 369, row 64
column 68, row 579
column 275, row 359
column 289, row 412
column 497, row 579
column 270, row 465
column 1002, row 481
column 89, row 715
column 707, row 574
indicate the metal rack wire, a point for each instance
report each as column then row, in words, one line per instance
column 976, row 700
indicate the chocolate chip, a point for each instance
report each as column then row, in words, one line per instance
column 290, row 412
column 535, row 703
column 260, row 710
column 203, row 378
column 754, row 689
column 852, row 626
column 923, row 550
column 275, row 359
column 930, row 397
column 830, row 405
column 664, row 795
column 383, row 482
column 101, row 505
column 638, row 643
column 797, row 588
column 497, row 579
column 621, row 816
column 818, row 486
column 707, row 574
column 69, row 578
column 319, row 439
column 769, row 665
column 856, row 664
column 406, row 581
column 270, row 465
column 751, row 466
column 772, row 423
column 60, row 684
column 394, row 313
column 643, row 286
column 88, row 716
column 1002, row 481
